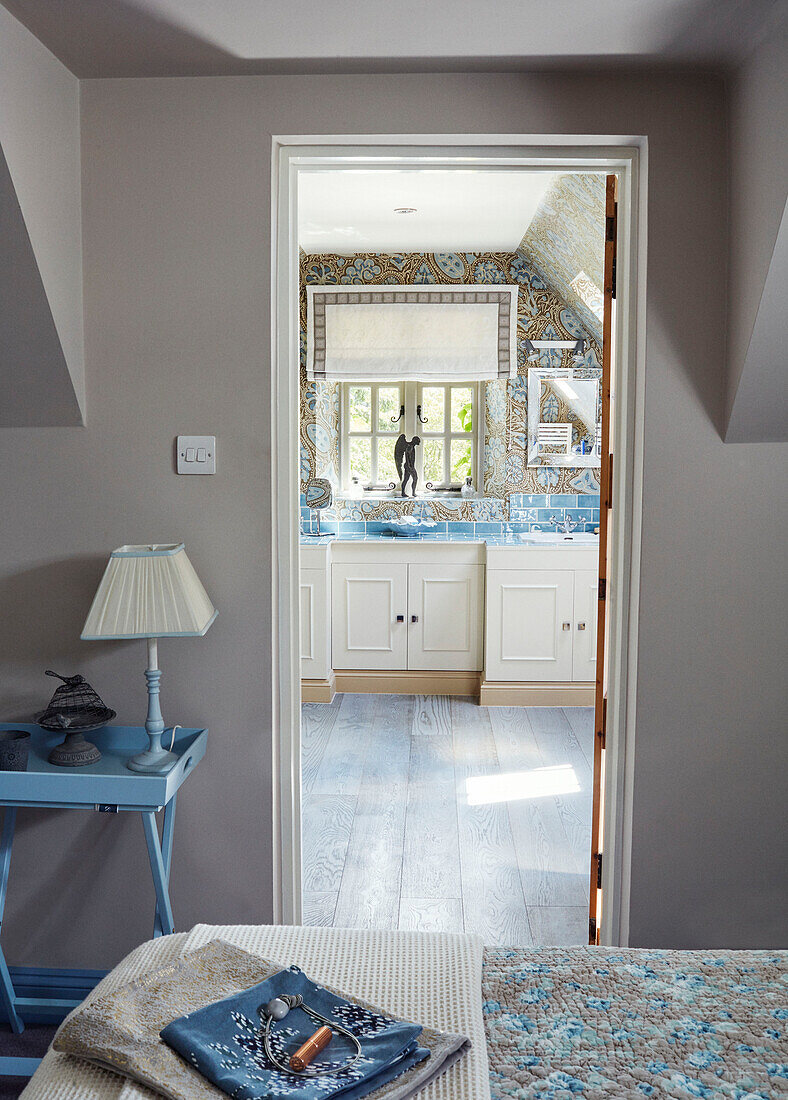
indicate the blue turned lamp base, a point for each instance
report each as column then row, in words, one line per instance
column 154, row 759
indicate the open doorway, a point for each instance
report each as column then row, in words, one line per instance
column 446, row 760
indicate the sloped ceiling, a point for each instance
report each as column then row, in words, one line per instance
column 760, row 407
column 565, row 243
column 756, row 401
column 100, row 38
column 37, row 386
column 42, row 370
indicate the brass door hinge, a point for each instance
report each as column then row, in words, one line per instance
column 610, row 481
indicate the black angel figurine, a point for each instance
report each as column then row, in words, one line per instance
column 407, row 451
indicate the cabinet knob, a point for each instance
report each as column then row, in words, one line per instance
column 400, row 618
column 567, row 626
column 414, row 618
column 581, row 626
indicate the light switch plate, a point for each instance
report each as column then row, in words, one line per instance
column 196, row 454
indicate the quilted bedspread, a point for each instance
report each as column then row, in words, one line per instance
column 592, row 1023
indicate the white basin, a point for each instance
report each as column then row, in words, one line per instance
column 558, row 538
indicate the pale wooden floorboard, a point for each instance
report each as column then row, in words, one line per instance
column 431, row 863
column 559, row 745
column 432, row 716
column 430, row 915
column 318, row 908
column 317, row 722
column 492, row 894
column 328, row 813
column 389, row 839
column 369, row 895
column 545, row 856
column 581, row 719
column 559, row 926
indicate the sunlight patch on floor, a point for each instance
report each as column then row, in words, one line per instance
column 481, row 790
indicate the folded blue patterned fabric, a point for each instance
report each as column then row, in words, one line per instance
column 224, row 1042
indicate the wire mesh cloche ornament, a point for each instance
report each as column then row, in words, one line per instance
column 74, row 708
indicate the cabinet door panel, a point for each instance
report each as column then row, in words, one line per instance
column 315, row 635
column 447, row 603
column 529, row 624
column 586, row 590
column 365, row 603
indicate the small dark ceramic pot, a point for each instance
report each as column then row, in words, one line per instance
column 14, row 749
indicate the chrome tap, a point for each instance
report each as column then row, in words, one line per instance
column 567, row 524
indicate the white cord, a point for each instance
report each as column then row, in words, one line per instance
column 172, row 740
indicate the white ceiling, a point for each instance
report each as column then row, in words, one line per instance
column 465, row 211
column 191, row 37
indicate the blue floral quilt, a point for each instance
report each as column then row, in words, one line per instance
column 575, row 1023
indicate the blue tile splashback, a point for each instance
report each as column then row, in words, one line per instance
column 533, row 508
column 526, row 510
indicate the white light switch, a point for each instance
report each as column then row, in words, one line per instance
column 196, row 454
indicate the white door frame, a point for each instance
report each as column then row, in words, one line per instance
column 627, row 157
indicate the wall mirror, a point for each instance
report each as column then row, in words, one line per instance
column 564, row 419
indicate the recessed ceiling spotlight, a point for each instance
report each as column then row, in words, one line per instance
column 405, row 210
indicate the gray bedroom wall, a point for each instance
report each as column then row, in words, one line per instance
column 40, row 138
column 176, row 236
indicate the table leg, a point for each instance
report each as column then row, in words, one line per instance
column 7, row 993
column 167, row 834
column 159, row 872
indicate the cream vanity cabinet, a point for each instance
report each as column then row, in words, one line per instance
column 407, row 606
column 540, row 619
column 429, row 617
column 315, row 609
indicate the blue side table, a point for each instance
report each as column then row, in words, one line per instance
column 106, row 787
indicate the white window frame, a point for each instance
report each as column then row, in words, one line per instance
column 410, row 395
column 375, row 434
column 447, row 435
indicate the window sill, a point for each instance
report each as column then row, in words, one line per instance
column 394, row 495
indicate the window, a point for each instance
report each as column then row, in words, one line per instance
column 446, row 429
column 371, row 423
column 443, row 415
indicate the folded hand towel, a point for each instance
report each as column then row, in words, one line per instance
column 224, row 1042
column 432, row 977
column 120, row 1030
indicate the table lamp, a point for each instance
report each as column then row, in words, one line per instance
column 150, row 592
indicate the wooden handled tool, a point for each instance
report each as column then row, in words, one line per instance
column 310, row 1049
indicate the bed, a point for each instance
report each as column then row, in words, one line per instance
column 603, row 1022
column 549, row 1023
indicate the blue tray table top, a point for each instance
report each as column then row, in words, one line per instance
column 107, row 786
column 107, row 781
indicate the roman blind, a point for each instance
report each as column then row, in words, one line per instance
column 411, row 333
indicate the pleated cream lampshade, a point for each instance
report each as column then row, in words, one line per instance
column 149, row 592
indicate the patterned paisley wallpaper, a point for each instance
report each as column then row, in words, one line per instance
column 541, row 315
column 572, row 263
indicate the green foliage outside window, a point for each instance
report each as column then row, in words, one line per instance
column 461, row 453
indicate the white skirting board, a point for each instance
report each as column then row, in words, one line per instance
column 490, row 693
column 514, row 693
column 318, row 691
